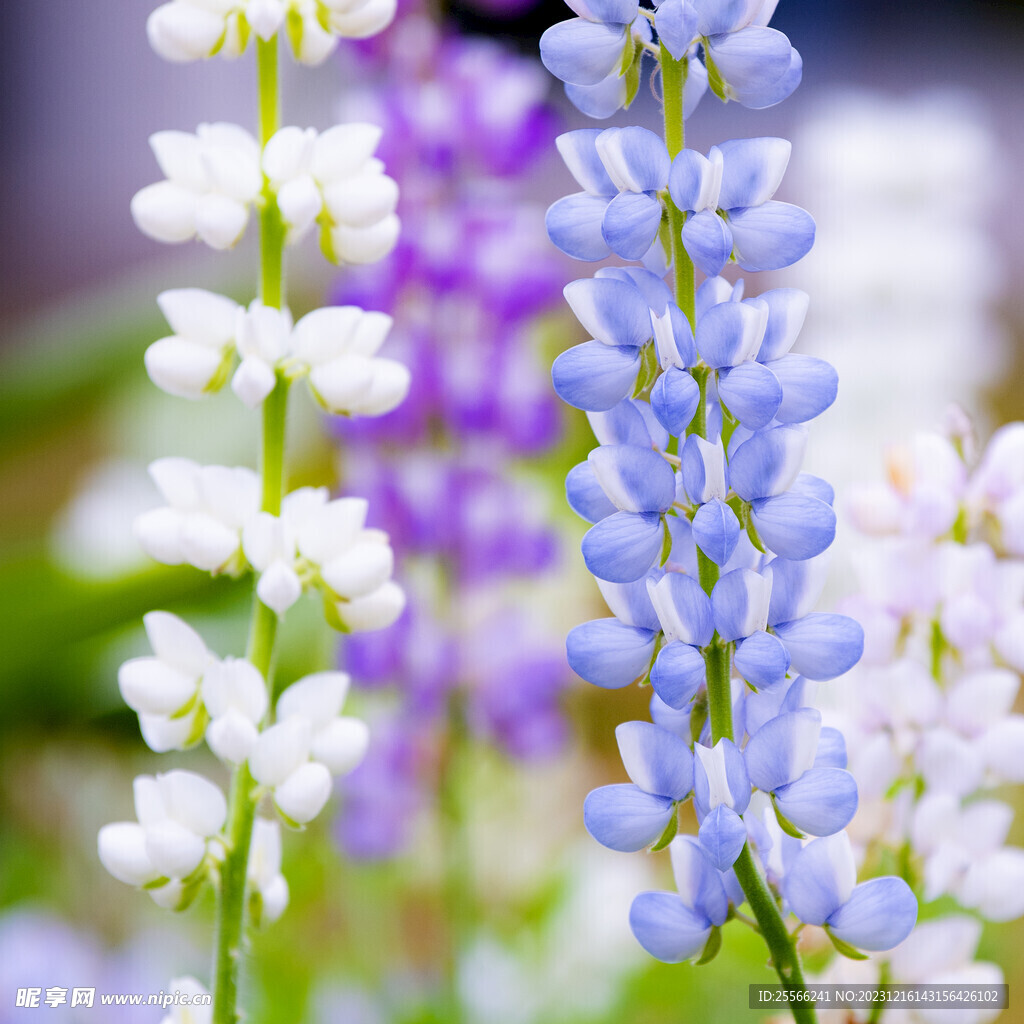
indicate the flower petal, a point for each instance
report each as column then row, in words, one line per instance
column 609, row 653
column 594, row 376
column 771, row 236
column 668, row 929
column 655, row 760
column 822, row 646
column 625, row 818
column 879, row 914
column 678, row 673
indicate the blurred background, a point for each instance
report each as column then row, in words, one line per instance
column 452, row 880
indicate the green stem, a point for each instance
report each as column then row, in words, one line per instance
column 784, row 955
column 232, row 893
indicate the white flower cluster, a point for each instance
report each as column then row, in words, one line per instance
column 214, row 178
column 212, row 521
column 187, row 30
column 931, row 728
column 335, row 347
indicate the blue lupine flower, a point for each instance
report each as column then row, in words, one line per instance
column 781, row 758
column 820, row 889
column 623, row 308
column 684, row 613
column 727, row 197
column 629, row 817
column 621, row 171
column 675, row 926
column 716, row 529
column 721, row 794
column 642, row 486
column 614, row 652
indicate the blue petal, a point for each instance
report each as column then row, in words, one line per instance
column 674, row 400
column 814, row 487
column 722, row 836
column 879, row 915
column 771, row 236
column 630, row 224
column 668, row 929
column 784, row 87
column 820, row 878
column 594, row 376
column 752, row 62
column 636, row 479
column 585, row 496
column 583, row 52
column 752, row 393
column 701, row 886
column 822, row 646
column 794, row 526
column 683, row 608
column 625, row 818
column 675, row 720
column 831, row 749
column 796, row 587
column 676, row 23
column 624, row 546
column 609, row 654
column 714, row 291
column 729, row 333
column 716, row 16
column 621, row 12
column 761, row 707
column 612, row 311
column 629, row 422
column 783, row 749
column 809, row 387
column 787, row 310
column 691, row 181
column 762, row 660
column 673, row 338
column 636, row 159
column 695, row 87
column 753, row 169
column 656, row 294
column 656, row 760
column 731, row 784
column 678, row 673
column 703, row 469
column 574, row 226
column 821, row 802
column 740, row 604
column 599, row 101
column 708, row 240
column 768, row 463
column 631, row 603
column 579, row 151
column 716, row 530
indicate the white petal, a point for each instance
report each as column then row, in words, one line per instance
column 182, row 368
column 365, row 245
column 342, row 745
column 375, row 611
column 180, row 32
column 179, row 155
column 366, row 20
column 150, row 686
column 165, row 211
column 199, row 315
column 235, row 685
column 162, row 733
column 340, row 383
column 303, row 794
column 159, row 534
column 362, row 569
column 253, row 381
column 1002, row 746
column 275, row 899
column 122, row 850
column 995, row 886
column 300, row 203
column 263, row 540
column 370, row 333
column 232, row 737
column 326, row 333
column 265, row 852
column 208, row 544
column 361, row 201
column 388, row 389
column 279, row 588
column 150, row 805
column 332, row 530
column 288, row 153
column 193, row 801
column 316, row 45
column 981, row 699
column 317, row 698
column 220, row 221
column 279, row 751
column 176, row 642
column 175, row 850
column 177, row 480
column 343, row 149
column 265, row 16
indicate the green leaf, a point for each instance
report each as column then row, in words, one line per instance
column 844, row 947
column 666, row 543
column 628, row 59
column 711, row 947
column 649, row 371
column 785, row 824
column 747, row 520
column 669, row 834
column 715, row 81
column 632, row 74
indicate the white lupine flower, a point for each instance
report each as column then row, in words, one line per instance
column 195, row 358
column 262, row 338
column 201, row 525
column 264, row 871
column 280, row 761
column 312, row 42
column 161, row 688
column 191, row 1012
column 187, row 30
column 357, row 199
column 213, row 177
column 235, row 696
column 178, row 814
column 339, row 345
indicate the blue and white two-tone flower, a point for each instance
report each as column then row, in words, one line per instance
column 676, row 926
column 781, row 757
column 721, row 795
column 621, row 170
column 639, row 482
column 631, row 816
column 820, row 888
column 716, row 530
column 684, row 614
column 727, row 197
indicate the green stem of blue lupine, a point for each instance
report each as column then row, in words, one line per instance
column 232, row 892
column 785, row 957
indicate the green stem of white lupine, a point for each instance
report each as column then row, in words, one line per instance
column 233, row 892
column 782, row 946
